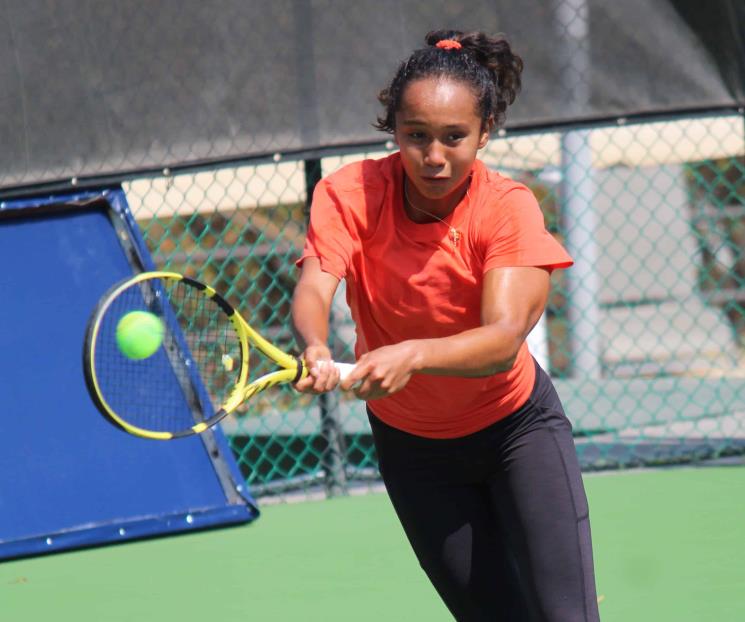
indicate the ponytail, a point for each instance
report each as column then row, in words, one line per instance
column 487, row 64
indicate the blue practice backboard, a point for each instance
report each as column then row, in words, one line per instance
column 69, row 478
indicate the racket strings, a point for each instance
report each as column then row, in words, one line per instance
column 210, row 338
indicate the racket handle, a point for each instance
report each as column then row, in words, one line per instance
column 344, row 369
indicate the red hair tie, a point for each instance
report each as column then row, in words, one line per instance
column 448, row 44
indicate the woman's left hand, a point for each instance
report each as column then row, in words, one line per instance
column 382, row 372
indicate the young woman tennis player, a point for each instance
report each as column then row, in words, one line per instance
column 447, row 270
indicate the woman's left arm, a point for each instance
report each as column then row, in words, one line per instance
column 513, row 300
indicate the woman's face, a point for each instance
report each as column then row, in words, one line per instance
column 439, row 132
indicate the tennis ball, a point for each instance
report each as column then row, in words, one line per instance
column 139, row 334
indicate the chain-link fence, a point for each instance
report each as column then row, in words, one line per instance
column 644, row 336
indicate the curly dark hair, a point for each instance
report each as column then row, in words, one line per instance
column 487, row 64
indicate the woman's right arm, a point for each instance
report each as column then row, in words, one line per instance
column 311, row 306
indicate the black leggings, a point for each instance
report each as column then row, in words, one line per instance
column 498, row 519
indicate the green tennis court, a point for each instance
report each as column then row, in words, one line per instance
column 669, row 545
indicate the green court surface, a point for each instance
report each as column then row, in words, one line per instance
column 669, row 546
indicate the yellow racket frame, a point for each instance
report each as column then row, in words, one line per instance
column 293, row 369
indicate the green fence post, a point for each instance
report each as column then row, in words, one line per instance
column 332, row 433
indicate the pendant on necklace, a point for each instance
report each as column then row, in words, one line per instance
column 454, row 236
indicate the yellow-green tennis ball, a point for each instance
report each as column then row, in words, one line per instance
column 139, row 334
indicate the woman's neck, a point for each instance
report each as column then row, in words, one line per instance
column 421, row 209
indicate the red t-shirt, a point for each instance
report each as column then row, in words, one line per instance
column 409, row 281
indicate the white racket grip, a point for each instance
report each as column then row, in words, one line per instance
column 344, row 369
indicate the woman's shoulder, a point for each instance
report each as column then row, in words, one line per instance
column 503, row 202
column 493, row 185
column 363, row 175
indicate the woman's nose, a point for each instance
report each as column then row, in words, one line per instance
column 435, row 155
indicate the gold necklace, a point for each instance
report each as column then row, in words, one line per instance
column 453, row 233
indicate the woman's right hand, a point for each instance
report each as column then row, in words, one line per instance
column 322, row 375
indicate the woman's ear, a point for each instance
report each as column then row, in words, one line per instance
column 486, row 131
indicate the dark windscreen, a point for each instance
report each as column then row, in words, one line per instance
column 114, row 87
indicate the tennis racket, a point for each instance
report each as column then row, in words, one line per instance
column 199, row 374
